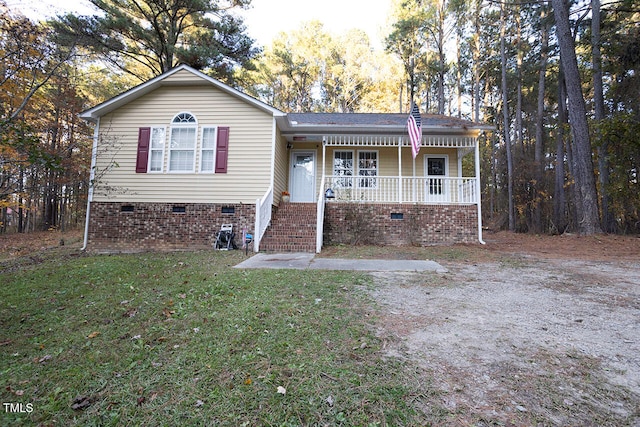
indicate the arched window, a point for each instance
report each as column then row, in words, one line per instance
column 182, row 143
column 184, row 118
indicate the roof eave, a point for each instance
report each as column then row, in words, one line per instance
column 379, row 129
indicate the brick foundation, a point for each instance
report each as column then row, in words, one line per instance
column 421, row 225
column 163, row 226
column 127, row 227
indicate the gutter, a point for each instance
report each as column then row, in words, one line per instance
column 92, row 176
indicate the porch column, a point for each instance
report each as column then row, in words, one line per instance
column 479, row 198
column 400, row 170
column 324, row 163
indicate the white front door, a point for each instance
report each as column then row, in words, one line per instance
column 303, row 176
column 436, row 169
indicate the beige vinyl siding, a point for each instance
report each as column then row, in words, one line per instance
column 182, row 76
column 388, row 160
column 249, row 159
column 281, row 168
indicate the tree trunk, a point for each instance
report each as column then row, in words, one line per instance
column 539, row 145
column 21, row 202
column 559, row 201
column 476, row 63
column 459, row 75
column 505, row 115
column 608, row 223
column 589, row 222
column 442, row 60
column 519, row 139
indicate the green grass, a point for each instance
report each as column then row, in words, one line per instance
column 184, row 339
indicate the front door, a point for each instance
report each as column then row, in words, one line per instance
column 436, row 171
column 303, row 176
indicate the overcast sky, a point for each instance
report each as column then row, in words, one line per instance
column 266, row 18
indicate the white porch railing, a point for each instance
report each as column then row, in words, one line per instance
column 394, row 189
column 263, row 217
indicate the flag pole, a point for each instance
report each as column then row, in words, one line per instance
column 414, row 128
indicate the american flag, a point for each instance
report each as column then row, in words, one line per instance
column 414, row 123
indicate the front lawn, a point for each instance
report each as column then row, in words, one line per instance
column 185, row 339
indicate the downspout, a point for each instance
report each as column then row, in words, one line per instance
column 92, row 176
column 273, row 152
column 477, row 167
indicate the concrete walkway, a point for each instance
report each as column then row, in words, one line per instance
column 301, row 261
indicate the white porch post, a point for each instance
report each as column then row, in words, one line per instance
column 324, row 164
column 478, row 196
column 399, row 170
column 413, row 181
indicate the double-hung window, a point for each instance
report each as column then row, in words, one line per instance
column 343, row 168
column 367, row 169
column 208, row 149
column 156, row 149
column 182, row 143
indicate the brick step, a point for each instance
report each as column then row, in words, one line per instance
column 292, row 229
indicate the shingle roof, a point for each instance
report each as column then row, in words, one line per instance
column 376, row 119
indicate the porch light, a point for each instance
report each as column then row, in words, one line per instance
column 329, row 194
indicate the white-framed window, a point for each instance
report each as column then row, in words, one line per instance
column 343, row 167
column 182, row 143
column 367, row 169
column 156, row 149
column 208, row 149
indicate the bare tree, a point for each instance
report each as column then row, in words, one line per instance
column 589, row 222
column 505, row 115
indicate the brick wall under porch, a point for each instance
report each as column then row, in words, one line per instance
column 127, row 227
column 400, row 224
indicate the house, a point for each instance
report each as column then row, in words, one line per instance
column 178, row 156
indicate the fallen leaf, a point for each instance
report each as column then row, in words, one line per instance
column 45, row 358
column 130, row 313
column 329, row 400
column 248, row 381
column 93, row 334
column 141, row 400
column 80, row 402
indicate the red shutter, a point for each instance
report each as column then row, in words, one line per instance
column 222, row 150
column 144, row 137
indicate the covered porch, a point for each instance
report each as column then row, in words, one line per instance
column 361, row 166
column 358, row 169
column 377, row 169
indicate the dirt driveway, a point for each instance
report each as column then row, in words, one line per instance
column 523, row 332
